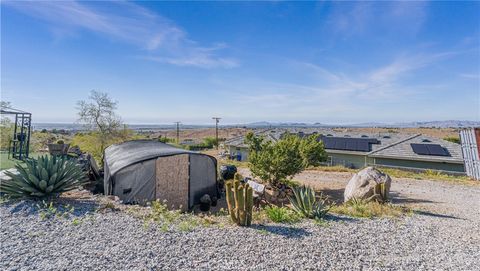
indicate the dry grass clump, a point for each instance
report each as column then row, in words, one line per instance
column 399, row 173
column 238, row 164
column 333, row 169
column 428, row 175
column 167, row 220
column 364, row 209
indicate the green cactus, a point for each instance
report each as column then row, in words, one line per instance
column 240, row 202
column 238, row 177
column 44, row 177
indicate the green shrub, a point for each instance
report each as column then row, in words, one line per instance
column 209, row 142
column 278, row 162
column 305, row 203
column 453, row 139
column 43, row 178
column 165, row 139
column 60, row 142
column 281, row 214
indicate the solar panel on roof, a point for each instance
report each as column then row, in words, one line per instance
column 363, row 146
column 429, row 149
column 436, row 149
column 340, row 144
column 420, row 149
column 349, row 144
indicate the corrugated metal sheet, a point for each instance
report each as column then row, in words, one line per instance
column 470, row 139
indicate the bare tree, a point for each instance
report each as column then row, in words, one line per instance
column 98, row 114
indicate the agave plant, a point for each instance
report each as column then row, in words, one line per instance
column 44, row 177
column 306, row 204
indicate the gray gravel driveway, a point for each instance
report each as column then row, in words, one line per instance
column 445, row 235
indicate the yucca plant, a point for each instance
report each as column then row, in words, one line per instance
column 305, row 203
column 42, row 178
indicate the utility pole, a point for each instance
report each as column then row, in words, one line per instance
column 217, row 120
column 178, row 131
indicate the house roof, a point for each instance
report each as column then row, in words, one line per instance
column 403, row 150
column 390, row 145
column 270, row 135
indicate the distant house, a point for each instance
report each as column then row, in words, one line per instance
column 237, row 148
column 357, row 150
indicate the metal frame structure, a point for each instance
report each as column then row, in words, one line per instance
column 19, row 147
column 470, row 140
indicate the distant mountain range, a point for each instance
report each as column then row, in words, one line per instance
column 266, row 124
column 418, row 124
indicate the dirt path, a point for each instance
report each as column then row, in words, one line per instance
column 429, row 195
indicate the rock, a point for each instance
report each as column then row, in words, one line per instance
column 206, row 199
column 276, row 196
column 4, row 177
column 113, row 198
column 368, row 184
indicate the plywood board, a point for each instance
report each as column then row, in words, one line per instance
column 172, row 180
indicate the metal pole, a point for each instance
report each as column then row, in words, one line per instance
column 14, row 148
column 216, row 130
column 28, row 134
column 22, row 137
column 178, row 131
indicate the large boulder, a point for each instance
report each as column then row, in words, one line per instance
column 368, row 184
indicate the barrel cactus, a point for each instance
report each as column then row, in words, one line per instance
column 42, row 178
column 240, row 202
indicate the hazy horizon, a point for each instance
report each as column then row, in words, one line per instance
column 255, row 122
column 327, row 62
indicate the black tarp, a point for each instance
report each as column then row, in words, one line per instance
column 130, row 170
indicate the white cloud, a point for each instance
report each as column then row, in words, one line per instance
column 474, row 76
column 337, row 94
column 126, row 22
column 355, row 18
column 198, row 57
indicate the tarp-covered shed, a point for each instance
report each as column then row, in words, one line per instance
column 145, row 170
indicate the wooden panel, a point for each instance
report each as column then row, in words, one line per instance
column 172, row 181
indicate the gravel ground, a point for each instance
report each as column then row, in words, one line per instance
column 445, row 236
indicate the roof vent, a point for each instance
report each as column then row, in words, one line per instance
column 364, row 136
column 329, row 135
column 386, row 136
column 426, row 140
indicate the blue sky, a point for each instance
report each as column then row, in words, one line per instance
column 329, row 62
